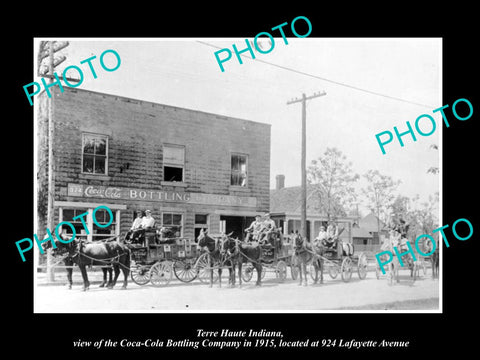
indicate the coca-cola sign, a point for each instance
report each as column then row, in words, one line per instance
column 109, row 192
column 122, row 193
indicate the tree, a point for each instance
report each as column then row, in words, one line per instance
column 332, row 179
column 425, row 215
column 380, row 194
column 421, row 218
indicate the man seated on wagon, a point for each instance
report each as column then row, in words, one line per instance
column 146, row 224
column 321, row 237
column 332, row 242
column 268, row 226
column 133, row 234
column 331, row 236
column 253, row 231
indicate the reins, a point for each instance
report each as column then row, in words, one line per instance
column 108, row 261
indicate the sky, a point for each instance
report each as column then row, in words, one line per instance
column 185, row 73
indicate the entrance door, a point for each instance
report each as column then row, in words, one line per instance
column 236, row 225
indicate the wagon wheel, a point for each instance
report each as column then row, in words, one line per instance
column 362, row 266
column 312, row 272
column 184, row 270
column 204, row 265
column 140, row 274
column 247, row 272
column 161, row 273
column 346, row 269
column 281, row 270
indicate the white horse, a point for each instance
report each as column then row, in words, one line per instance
column 393, row 266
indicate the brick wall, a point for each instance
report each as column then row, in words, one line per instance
column 137, row 130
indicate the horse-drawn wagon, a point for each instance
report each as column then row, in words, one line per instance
column 158, row 257
column 276, row 257
column 342, row 259
column 224, row 252
column 412, row 261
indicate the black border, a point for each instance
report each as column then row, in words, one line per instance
column 427, row 333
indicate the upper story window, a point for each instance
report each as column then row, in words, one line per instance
column 94, row 154
column 238, row 170
column 173, row 163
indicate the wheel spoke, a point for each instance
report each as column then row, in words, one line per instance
column 184, row 271
column 161, row 273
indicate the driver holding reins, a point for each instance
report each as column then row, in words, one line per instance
column 254, row 229
column 268, row 226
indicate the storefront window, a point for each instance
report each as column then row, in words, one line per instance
column 103, row 218
column 68, row 215
column 174, row 222
column 96, row 232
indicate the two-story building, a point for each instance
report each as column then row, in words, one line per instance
column 192, row 169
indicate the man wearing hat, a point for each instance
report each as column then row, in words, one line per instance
column 321, row 239
column 148, row 221
column 254, row 229
column 132, row 233
column 268, row 226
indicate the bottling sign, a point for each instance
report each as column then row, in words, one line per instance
column 122, row 193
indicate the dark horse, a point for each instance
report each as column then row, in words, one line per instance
column 240, row 253
column 305, row 253
column 216, row 256
column 108, row 254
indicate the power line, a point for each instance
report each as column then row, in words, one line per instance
column 327, row 80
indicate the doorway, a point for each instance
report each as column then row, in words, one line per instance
column 236, row 225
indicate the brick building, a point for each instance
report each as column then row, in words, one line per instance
column 191, row 169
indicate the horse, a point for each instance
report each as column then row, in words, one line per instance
column 240, row 253
column 112, row 253
column 394, row 265
column 108, row 254
column 434, row 257
column 216, row 256
column 68, row 250
column 402, row 247
column 305, row 253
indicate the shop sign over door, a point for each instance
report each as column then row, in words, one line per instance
column 123, row 193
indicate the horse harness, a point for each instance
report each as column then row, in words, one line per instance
column 114, row 260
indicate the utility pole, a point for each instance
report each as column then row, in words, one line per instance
column 49, row 53
column 303, row 214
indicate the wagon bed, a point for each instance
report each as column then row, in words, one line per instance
column 158, row 262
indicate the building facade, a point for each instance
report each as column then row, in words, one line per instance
column 192, row 169
column 285, row 210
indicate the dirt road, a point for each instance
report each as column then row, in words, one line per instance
column 272, row 296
